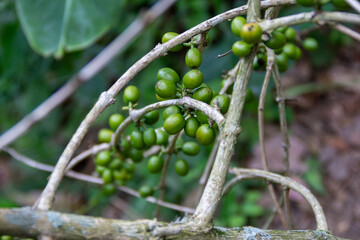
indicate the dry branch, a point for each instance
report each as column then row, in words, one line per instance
column 26, row 222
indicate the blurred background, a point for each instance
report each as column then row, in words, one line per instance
column 323, row 115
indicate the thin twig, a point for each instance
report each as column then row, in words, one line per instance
column 204, row 177
column 286, row 181
column 224, row 54
column 284, row 138
column 348, row 31
column 270, row 63
column 162, row 184
column 230, row 78
column 307, row 17
column 90, row 179
column 354, row 4
column 87, row 153
column 86, row 73
column 272, row 215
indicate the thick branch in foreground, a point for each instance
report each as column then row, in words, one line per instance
column 26, row 222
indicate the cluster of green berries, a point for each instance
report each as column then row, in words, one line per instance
column 195, row 123
column 281, row 40
column 116, row 167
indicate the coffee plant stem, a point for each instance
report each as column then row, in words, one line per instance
column 162, row 184
column 269, row 67
column 354, row 4
column 214, row 187
column 348, row 31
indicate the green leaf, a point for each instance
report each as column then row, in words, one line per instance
column 237, row 221
column 252, row 210
column 59, row 26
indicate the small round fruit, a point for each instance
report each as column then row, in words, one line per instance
column 310, row 44
column 236, row 25
column 306, row 3
column 129, row 176
column 129, row 167
column 160, row 98
column 146, row 191
column 191, row 148
column 290, row 34
column 116, row 163
column 202, row 117
column 162, row 138
column 136, row 139
column 136, row 155
column 282, row 68
column 174, row 124
column 124, row 145
column 151, row 117
column 251, row 32
column 120, row 175
column 290, row 51
column 131, row 94
column 193, row 79
column 278, row 51
column 221, row 101
column 181, row 167
column 165, row 89
column 120, row 182
column 115, row 120
column 170, row 111
column 168, row 74
column 281, row 29
column 215, row 93
column 256, row 66
column 104, row 135
column 276, row 41
column 100, row 169
column 103, row 158
column 281, row 59
column 108, row 189
column 341, row 4
column 298, row 54
column 179, row 143
column 204, row 94
column 191, row 127
column 168, row 36
column 193, row 58
column 149, row 137
column 107, row 176
column 205, row 135
column 155, row 164
column 241, row 49
column 249, row 96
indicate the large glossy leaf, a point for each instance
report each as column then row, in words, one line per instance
column 59, row 26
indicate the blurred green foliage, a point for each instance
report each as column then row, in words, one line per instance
column 27, row 79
